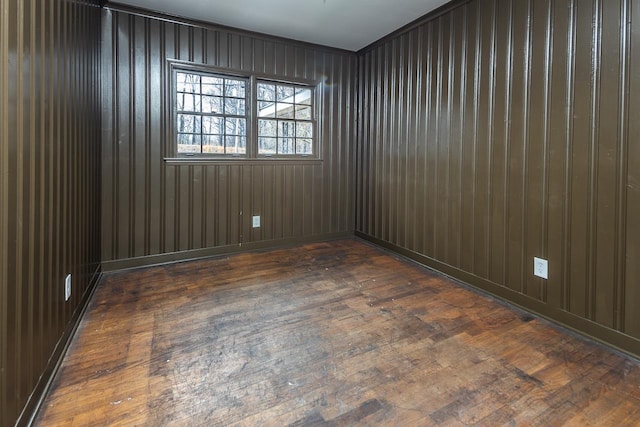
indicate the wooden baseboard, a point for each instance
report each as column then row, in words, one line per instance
column 584, row 327
column 171, row 257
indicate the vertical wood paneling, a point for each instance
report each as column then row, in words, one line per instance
column 499, row 154
column 431, row 141
column 152, row 207
column 580, row 263
column 4, row 215
column 536, row 143
column 470, row 108
column 631, row 253
column 610, row 141
column 559, row 145
column 49, row 186
column 522, row 141
column 620, row 279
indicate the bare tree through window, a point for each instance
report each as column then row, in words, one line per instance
column 211, row 114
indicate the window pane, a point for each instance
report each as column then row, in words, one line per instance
column 235, row 144
column 188, row 143
column 286, row 129
column 285, row 111
column 212, row 86
column 187, row 82
column 212, row 144
column 235, row 126
column 212, row 104
column 304, row 130
column 267, row 145
column 212, row 125
column 285, row 145
column 234, row 106
column 304, row 146
column 303, row 112
column 266, row 92
column 285, row 93
column 188, row 102
column 234, row 88
column 188, row 124
column 266, row 109
column 303, row 96
column 267, row 128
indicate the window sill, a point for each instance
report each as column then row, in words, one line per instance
column 242, row 160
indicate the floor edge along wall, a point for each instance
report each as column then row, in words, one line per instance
column 34, row 404
column 590, row 330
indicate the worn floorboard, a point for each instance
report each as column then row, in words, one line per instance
column 328, row 334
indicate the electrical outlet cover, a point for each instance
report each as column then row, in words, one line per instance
column 541, row 267
column 67, row 287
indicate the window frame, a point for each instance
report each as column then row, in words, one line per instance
column 251, row 115
column 311, row 120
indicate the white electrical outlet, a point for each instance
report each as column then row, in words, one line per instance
column 67, row 287
column 541, row 268
column 256, row 221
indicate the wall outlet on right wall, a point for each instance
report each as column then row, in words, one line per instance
column 541, row 267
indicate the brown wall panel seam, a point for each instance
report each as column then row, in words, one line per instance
column 623, row 168
column 526, row 146
column 508, row 99
column 476, row 98
column 30, row 229
column 491, row 136
column 147, row 140
column 19, row 355
column 4, row 194
column 131, row 101
column 417, row 123
column 570, row 102
column 43, row 202
column 436, row 139
column 549, row 38
column 115, row 151
column 162, row 239
column 464, row 58
column 377, row 134
column 593, row 166
column 66, row 150
column 204, row 220
column 450, row 137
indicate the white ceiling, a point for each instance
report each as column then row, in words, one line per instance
column 346, row 24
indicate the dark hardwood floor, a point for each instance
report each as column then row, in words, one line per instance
column 337, row 333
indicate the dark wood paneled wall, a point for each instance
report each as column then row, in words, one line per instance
column 503, row 130
column 49, row 186
column 156, row 207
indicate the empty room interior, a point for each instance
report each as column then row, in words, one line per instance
column 320, row 212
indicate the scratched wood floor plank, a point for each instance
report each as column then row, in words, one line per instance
column 327, row 334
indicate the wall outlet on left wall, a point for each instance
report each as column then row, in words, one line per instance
column 67, row 287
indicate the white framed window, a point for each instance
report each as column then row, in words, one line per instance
column 222, row 115
column 211, row 114
column 285, row 119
